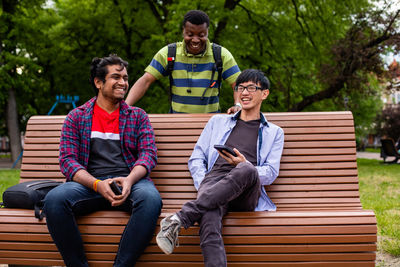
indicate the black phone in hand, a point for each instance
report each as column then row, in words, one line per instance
column 225, row 149
column 115, row 188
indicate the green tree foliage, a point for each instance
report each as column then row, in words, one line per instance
column 316, row 53
column 19, row 69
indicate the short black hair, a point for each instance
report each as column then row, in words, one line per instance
column 98, row 68
column 253, row 75
column 196, row 17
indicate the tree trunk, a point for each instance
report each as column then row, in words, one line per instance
column 13, row 125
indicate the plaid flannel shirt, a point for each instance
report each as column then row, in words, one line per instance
column 136, row 137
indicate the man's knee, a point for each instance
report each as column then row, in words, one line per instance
column 153, row 199
column 148, row 197
column 55, row 199
column 247, row 170
column 64, row 197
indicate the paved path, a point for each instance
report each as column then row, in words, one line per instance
column 369, row 155
column 5, row 163
column 377, row 156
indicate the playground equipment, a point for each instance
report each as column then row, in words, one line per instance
column 64, row 99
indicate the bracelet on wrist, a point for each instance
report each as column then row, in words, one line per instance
column 95, row 185
column 238, row 104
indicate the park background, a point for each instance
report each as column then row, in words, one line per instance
column 320, row 55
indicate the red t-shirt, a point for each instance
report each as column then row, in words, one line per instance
column 105, row 158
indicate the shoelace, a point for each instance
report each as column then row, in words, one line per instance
column 169, row 233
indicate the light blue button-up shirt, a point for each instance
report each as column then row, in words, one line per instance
column 269, row 144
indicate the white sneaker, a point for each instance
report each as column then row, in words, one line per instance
column 167, row 238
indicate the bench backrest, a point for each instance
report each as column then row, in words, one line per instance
column 318, row 166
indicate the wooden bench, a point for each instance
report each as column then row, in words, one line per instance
column 319, row 220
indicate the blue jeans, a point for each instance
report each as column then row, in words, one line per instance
column 70, row 199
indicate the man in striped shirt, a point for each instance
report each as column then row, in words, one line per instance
column 194, row 90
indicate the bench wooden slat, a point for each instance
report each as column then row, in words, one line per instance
column 45, row 140
column 184, row 167
column 45, row 153
column 176, row 204
column 283, row 181
column 316, row 205
column 288, row 138
column 313, row 187
column 319, row 158
column 283, row 124
column 317, row 180
column 25, row 218
column 280, row 248
column 319, row 151
column 42, row 175
column 270, row 257
column 46, row 127
column 190, row 264
column 89, row 237
column 326, row 172
column 196, row 257
column 36, row 134
column 53, row 137
column 269, row 264
column 317, row 130
column 183, row 160
column 275, row 188
column 17, row 246
column 283, row 173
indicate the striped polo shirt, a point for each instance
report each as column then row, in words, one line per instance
column 192, row 76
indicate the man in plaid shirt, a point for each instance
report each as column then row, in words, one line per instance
column 104, row 143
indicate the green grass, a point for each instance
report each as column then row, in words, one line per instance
column 374, row 150
column 380, row 191
column 8, row 177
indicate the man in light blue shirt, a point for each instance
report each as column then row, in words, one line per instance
column 229, row 181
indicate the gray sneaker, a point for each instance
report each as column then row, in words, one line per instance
column 167, row 238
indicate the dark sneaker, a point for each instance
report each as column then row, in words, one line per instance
column 167, row 238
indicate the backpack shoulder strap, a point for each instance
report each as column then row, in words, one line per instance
column 218, row 62
column 171, row 58
column 170, row 67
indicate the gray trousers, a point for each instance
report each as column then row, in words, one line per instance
column 237, row 190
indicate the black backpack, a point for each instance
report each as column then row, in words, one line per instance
column 28, row 195
column 218, row 66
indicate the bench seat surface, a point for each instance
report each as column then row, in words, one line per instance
column 319, row 219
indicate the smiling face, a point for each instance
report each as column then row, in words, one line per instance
column 252, row 100
column 195, row 37
column 115, row 86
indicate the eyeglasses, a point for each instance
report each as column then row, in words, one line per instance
column 250, row 88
